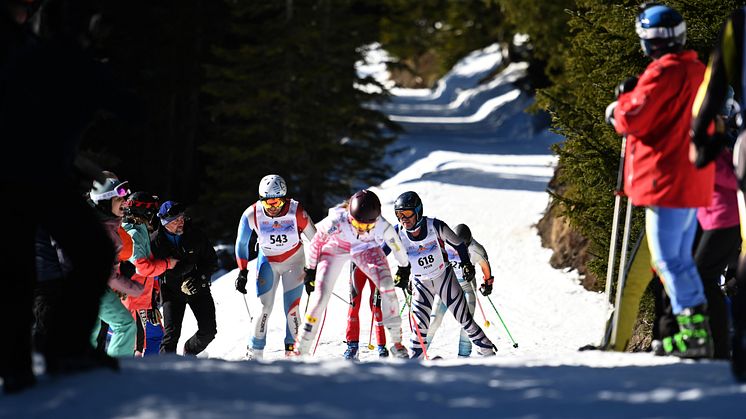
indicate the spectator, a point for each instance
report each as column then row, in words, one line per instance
column 107, row 199
column 188, row 282
column 653, row 112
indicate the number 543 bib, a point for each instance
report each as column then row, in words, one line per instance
column 277, row 235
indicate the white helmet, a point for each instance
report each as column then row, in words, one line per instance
column 272, row 186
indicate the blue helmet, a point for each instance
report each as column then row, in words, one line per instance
column 661, row 30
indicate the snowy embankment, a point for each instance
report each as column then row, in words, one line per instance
column 487, row 170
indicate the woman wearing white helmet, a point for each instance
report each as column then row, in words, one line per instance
column 107, row 198
column 273, row 224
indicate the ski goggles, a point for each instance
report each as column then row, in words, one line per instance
column 120, row 190
column 273, row 203
column 404, row 214
column 362, row 226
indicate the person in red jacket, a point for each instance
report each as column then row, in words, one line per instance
column 140, row 209
column 654, row 113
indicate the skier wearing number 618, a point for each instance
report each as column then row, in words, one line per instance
column 270, row 231
column 424, row 240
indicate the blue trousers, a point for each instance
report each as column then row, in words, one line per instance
column 670, row 233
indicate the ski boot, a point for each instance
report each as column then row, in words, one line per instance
column 694, row 339
column 290, row 350
column 658, row 348
column 382, row 351
column 352, row 351
column 491, row 351
column 253, row 354
column 398, row 350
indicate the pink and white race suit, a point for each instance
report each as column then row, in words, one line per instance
column 336, row 243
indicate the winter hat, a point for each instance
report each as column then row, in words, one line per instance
column 169, row 211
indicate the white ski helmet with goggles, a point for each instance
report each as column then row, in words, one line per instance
column 661, row 30
column 272, row 186
column 111, row 188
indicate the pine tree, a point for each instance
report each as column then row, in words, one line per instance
column 283, row 100
column 601, row 49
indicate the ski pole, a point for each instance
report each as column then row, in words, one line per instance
column 372, row 317
column 251, row 318
column 419, row 335
column 337, row 295
column 486, row 322
column 320, row 330
column 618, row 190
column 407, row 302
column 370, row 336
column 621, row 277
column 515, row 345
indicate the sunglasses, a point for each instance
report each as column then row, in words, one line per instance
column 404, row 214
column 362, row 226
column 273, row 203
column 120, row 190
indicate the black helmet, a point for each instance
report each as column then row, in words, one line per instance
column 141, row 205
column 464, row 233
column 410, row 201
column 365, row 207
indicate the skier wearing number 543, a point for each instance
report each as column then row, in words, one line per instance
column 274, row 223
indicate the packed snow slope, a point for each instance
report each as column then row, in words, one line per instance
column 474, row 157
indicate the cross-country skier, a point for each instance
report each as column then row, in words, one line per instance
column 424, row 239
column 477, row 254
column 353, row 231
column 654, row 113
column 358, row 279
column 275, row 222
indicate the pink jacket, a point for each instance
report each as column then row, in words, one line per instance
column 723, row 211
column 117, row 281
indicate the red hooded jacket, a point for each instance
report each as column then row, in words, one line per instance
column 656, row 117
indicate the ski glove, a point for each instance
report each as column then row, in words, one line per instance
column 401, row 279
column 192, row 285
column 241, row 281
column 152, row 316
column 468, row 269
column 189, row 287
column 486, row 287
column 309, row 280
column 626, row 86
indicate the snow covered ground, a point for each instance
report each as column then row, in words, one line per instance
column 489, row 170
